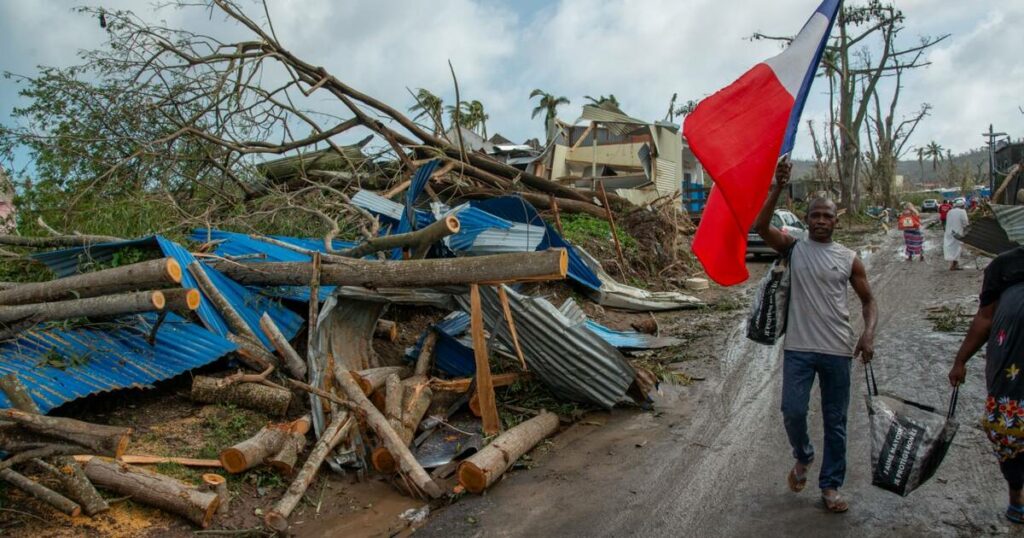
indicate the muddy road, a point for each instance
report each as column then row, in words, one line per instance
column 712, row 459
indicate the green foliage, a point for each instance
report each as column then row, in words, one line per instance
column 581, row 228
column 181, row 472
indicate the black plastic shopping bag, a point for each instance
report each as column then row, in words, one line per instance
column 908, row 439
column 766, row 321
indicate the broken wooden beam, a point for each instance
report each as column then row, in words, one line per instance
column 270, row 400
column 484, row 383
column 462, row 384
column 156, row 490
column 423, row 361
column 482, row 469
column 544, row 265
column 145, row 275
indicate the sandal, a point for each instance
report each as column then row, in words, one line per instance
column 836, row 504
column 797, row 482
column 1015, row 513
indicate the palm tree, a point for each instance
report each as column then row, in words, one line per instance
column 549, row 106
column 602, row 101
column 471, row 116
column 935, row 151
column 686, row 108
column 429, row 105
column 921, row 152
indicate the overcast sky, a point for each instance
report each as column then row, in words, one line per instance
column 642, row 51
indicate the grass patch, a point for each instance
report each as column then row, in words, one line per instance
column 228, row 425
column 580, row 228
column 181, row 472
column 949, row 320
column 727, row 303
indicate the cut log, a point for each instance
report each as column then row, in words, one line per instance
column 106, row 305
column 295, row 441
column 270, row 400
column 462, row 384
column 160, row 491
column 373, row 378
column 266, row 444
column 232, row 318
column 292, row 361
column 383, row 461
column 484, row 382
column 418, row 242
column 41, row 492
column 253, row 354
column 482, row 469
column 386, row 330
column 217, row 484
column 277, row 517
column 98, row 438
column 182, row 300
column 393, row 394
column 519, row 267
column 426, row 354
column 146, row 275
column 415, row 402
column 67, row 470
column 407, row 463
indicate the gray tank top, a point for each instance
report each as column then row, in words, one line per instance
column 819, row 318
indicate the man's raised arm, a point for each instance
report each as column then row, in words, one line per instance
column 772, row 236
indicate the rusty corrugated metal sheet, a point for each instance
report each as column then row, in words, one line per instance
column 570, row 359
column 616, row 122
column 987, row 236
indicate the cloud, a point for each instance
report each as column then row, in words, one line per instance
column 642, row 51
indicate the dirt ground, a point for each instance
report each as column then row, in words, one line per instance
column 713, row 457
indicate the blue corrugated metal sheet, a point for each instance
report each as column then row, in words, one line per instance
column 111, row 358
column 452, row 355
column 388, row 212
column 516, row 209
column 629, row 340
column 250, row 305
column 409, row 221
column 472, row 223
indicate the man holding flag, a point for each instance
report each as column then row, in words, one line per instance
column 742, row 135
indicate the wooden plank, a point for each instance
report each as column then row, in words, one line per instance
column 503, row 297
column 484, row 383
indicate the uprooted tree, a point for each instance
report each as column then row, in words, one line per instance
column 182, row 123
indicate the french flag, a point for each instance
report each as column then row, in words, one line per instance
column 738, row 135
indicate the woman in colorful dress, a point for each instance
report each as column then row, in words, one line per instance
column 1000, row 323
column 913, row 239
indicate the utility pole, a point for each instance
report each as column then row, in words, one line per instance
column 991, row 158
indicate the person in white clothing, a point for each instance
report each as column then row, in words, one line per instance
column 956, row 222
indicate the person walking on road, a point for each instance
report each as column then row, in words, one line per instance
column 913, row 239
column 956, row 222
column 819, row 337
column 943, row 211
column 999, row 323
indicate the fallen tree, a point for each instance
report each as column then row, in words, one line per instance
column 104, row 306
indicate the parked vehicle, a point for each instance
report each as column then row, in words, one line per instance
column 786, row 222
column 930, row 204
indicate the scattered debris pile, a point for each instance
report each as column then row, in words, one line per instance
column 301, row 325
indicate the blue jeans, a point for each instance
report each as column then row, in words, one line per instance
column 833, row 371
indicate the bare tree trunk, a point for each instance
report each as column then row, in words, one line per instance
column 107, row 305
column 520, row 267
column 98, row 438
column 419, row 241
column 270, row 400
column 296, row 366
column 41, row 492
column 156, row 490
column 482, row 469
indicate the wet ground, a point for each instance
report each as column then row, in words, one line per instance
column 712, row 459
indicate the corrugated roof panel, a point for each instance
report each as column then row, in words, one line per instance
column 110, row 358
column 572, row 360
column 986, row 235
column 667, row 178
column 66, row 262
column 616, row 122
column 390, row 211
column 416, row 186
column 1011, row 218
column 516, row 209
